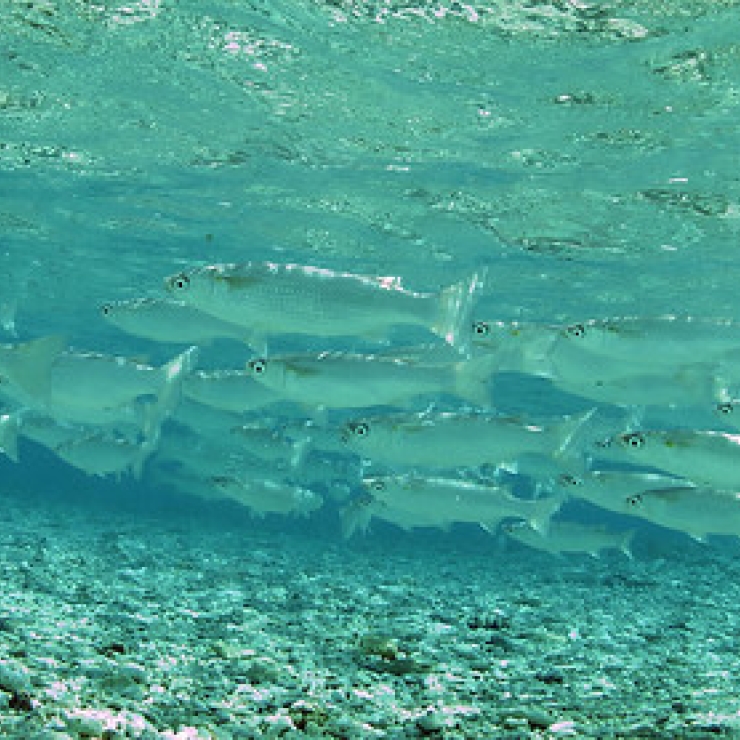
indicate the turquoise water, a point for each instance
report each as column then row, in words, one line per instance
column 586, row 155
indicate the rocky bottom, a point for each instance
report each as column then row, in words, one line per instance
column 123, row 625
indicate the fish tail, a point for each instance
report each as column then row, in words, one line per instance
column 9, row 426
column 172, row 376
column 625, row 545
column 146, row 450
column 473, row 379
column 573, row 435
column 355, row 516
column 7, row 316
column 28, row 365
column 546, row 508
column 453, row 322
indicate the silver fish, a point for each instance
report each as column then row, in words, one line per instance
column 696, row 511
column 268, row 298
column 168, row 321
column 268, row 496
column 447, row 440
column 571, row 537
column 345, row 380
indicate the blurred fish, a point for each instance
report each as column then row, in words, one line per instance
column 695, row 511
column 611, row 489
column 8, row 310
column 419, row 501
column 229, row 390
column 9, row 426
column 708, row 457
column 571, row 537
column 268, row 496
column 168, row 321
column 447, row 440
column 90, row 387
column 584, row 359
column 268, row 298
column 102, row 454
column 344, row 380
column 270, row 445
column 26, row 367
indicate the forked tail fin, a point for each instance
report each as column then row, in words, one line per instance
column 453, row 322
column 28, row 366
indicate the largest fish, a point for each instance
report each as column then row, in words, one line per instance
column 269, row 298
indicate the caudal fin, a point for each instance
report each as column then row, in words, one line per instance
column 453, row 322
column 626, row 544
column 9, row 425
column 355, row 516
column 171, row 389
column 544, row 510
column 28, row 366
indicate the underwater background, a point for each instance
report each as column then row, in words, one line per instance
column 585, row 157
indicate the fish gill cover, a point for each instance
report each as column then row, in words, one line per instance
column 378, row 265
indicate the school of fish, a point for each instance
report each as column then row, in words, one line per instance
column 410, row 435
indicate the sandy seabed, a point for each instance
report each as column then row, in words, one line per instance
column 115, row 624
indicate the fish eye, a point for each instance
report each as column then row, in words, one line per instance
column 106, row 308
column 377, row 484
column 569, row 480
column 725, row 408
column 481, row 328
column 360, row 429
column 258, row 367
column 576, row 330
column 180, row 282
column 634, row 500
column 634, row 440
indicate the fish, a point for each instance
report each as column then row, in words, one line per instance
column 347, row 380
column 88, row 387
column 228, row 390
column 611, row 489
column 573, row 364
column 26, row 367
column 411, row 500
column 8, row 310
column 269, row 445
column 456, row 439
column 571, row 537
column 9, row 426
column 703, row 456
column 269, row 298
column 102, row 454
column 269, row 496
column 169, row 321
column 696, row 511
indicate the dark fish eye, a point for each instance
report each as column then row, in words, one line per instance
column 258, row 367
column 377, row 485
column 576, row 330
column 569, row 480
column 634, row 500
column 106, row 308
column 725, row 408
column 481, row 328
column 180, row 282
column 360, row 429
column 634, row 440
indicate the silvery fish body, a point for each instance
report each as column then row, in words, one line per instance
column 708, row 457
column 447, row 440
column 101, row 454
column 268, row 496
column 695, row 511
column 571, row 537
column 420, row 501
column 345, row 380
column 268, row 298
column 611, row 489
column 228, row 390
column 168, row 321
